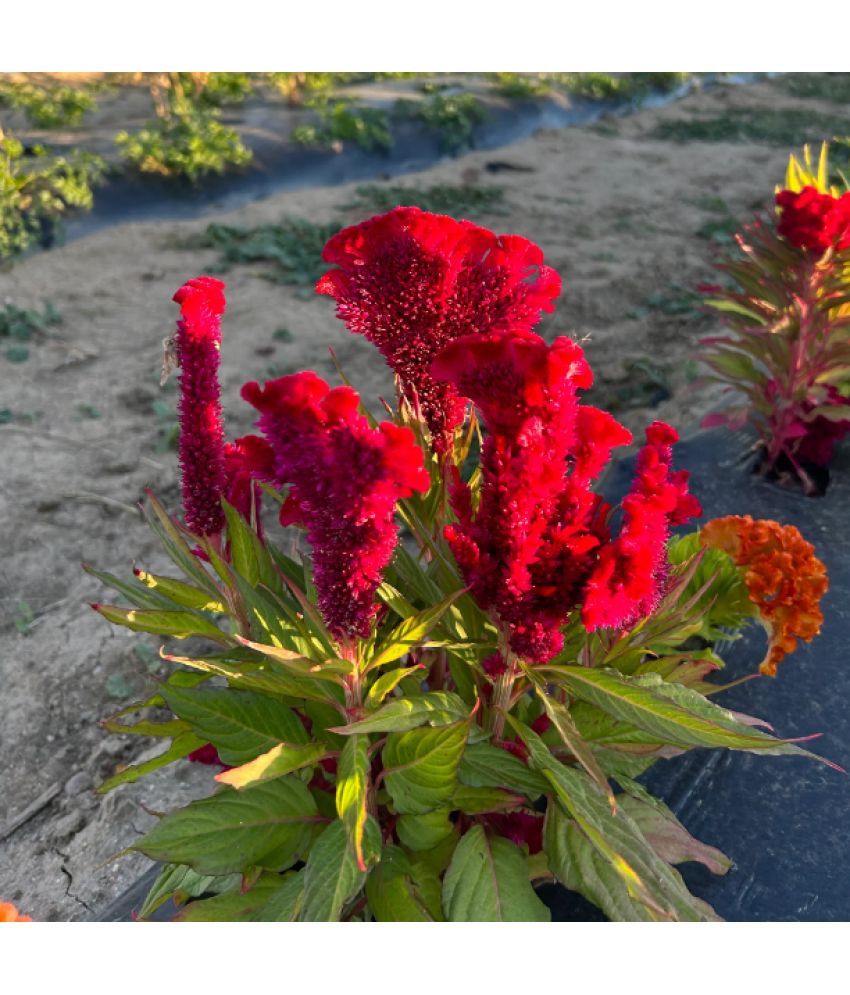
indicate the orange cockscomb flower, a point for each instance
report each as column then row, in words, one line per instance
column 784, row 578
column 8, row 913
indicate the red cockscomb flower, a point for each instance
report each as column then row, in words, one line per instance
column 814, row 221
column 345, row 481
column 625, row 584
column 539, row 544
column 201, row 446
column 527, row 550
column 411, row 282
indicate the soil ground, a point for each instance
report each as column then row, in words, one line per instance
column 632, row 222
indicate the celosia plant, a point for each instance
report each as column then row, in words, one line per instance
column 9, row 913
column 425, row 725
column 787, row 356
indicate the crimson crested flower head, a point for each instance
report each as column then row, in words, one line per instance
column 411, row 282
column 539, row 545
column 201, row 445
column 814, row 221
column 345, row 480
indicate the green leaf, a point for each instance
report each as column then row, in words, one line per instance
column 173, row 539
column 474, row 801
column 268, row 825
column 233, row 906
column 647, row 878
column 426, row 831
column 181, row 882
column 352, row 788
column 240, row 724
column 666, row 835
column 300, row 666
column 178, row 625
column 579, row 866
column 182, row 745
column 420, row 766
column 486, row 766
column 434, row 707
column 410, row 633
column 268, row 682
column 285, row 904
column 182, row 594
column 672, row 713
column 388, row 682
column 399, row 892
column 285, row 758
column 332, row 877
column 246, row 550
column 488, row 881
column 135, row 592
column 571, row 737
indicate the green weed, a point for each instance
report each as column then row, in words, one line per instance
column 770, row 126
column 56, row 106
column 294, row 247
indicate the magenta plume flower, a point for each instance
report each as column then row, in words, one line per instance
column 201, row 448
column 345, row 479
column 411, row 282
column 540, row 533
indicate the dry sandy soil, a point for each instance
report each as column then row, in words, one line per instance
column 617, row 213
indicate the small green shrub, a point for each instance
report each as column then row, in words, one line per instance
column 226, row 88
column 520, row 86
column 454, row 117
column 344, row 121
column 190, row 142
column 55, row 106
column 37, row 190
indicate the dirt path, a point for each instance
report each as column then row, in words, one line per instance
column 616, row 211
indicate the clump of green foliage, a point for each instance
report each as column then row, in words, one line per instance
column 37, row 190
column 294, row 246
column 189, row 142
column 345, row 121
column 454, row 117
column 458, row 199
column 56, row 106
column 769, row 125
column 520, row 86
column 226, row 88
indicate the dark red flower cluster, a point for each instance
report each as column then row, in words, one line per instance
column 814, row 221
column 345, row 479
column 247, row 461
column 539, row 543
column 411, row 282
column 201, row 444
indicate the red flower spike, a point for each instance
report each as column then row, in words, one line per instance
column 527, row 552
column 626, row 583
column 814, row 221
column 411, row 282
column 201, row 447
column 345, row 481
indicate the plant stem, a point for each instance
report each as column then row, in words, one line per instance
column 502, row 694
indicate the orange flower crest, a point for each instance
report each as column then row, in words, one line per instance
column 784, row 578
column 8, row 913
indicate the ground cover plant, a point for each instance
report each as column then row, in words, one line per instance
column 38, row 189
column 467, row 200
column 787, row 355
column 55, row 106
column 450, row 696
column 187, row 140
